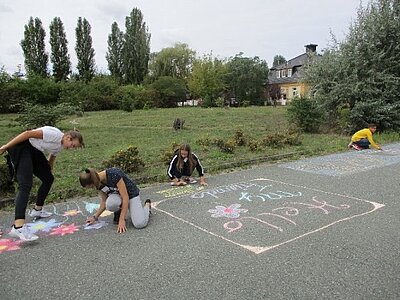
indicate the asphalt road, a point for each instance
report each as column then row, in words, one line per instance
column 321, row 228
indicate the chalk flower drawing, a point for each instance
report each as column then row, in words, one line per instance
column 233, row 211
column 43, row 226
column 71, row 213
column 91, row 207
column 9, row 245
column 64, row 229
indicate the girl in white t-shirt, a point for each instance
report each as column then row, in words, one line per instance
column 26, row 153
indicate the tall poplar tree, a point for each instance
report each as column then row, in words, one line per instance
column 84, row 50
column 33, row 46
column 136, row 50
column 59, row 50
column 114, row 53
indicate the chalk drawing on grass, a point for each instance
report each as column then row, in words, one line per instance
column 348, row 162
column 290, row 213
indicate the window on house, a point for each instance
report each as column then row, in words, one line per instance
column 284, row 73
column 289, row 73
column 295, row 92
column 278, row 74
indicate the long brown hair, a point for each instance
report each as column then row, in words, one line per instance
column 90, row 176
column 191, row 161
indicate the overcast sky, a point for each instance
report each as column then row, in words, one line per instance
column 262, row 28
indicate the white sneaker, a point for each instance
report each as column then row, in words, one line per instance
column 39, row 213
column 23, row 234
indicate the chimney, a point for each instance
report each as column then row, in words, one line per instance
column 311, row 48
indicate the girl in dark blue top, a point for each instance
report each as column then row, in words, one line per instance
column 118, row 194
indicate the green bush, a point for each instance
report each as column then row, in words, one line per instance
column 254, row 145
column 167, row 154
column 227, row 146
column 6, row 184
column 127, row 160
column 131, row 97
column 36, row 115
column 239, row 138
column 305, row 113
column 171, row 91
column 279, row 139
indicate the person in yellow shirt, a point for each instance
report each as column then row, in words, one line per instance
column 363, row 138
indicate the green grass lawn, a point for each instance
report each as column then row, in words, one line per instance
column 151, row 132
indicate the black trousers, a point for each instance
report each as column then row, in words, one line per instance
column 29, row 161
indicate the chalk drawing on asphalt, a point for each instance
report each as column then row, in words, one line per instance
column 348, row 162
column 263, row 214
column 59, row 224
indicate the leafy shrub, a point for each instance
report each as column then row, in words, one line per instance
column 127, row 160
column 227, row 146
column 6, row 184
column 220, row 102
column 171, row 91
column 305, row 113
column 93, row 96
column 279, row 139
column 131, row 97
column 36, row 115
column 239, row 138
column 254, row 145
column 167, row 154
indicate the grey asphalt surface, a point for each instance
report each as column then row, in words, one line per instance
column 321, row 228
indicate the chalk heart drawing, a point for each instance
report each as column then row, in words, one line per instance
column 91, row 207
column 64, row 230
column 275, row 213
column 9, row 245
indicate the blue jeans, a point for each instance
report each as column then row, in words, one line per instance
column 363, row 143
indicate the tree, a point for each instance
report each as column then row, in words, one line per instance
column 33, row 46
column 84, row 51
column 207, row 78
column 278, row 60
column 171, row 91
column 59, row 50
column 114, row 54
column 136, row 49
column 246, row 78
column 362, row 73
column 173, row 61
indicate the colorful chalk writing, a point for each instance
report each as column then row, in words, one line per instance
column 178, row 191
column 262, row 214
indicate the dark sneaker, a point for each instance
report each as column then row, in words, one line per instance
column 148, row 201
column 117, row 214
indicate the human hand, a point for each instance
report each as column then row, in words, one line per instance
column 121, row 226
column 91, row 220
column 2, row 149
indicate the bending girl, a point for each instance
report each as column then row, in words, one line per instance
column 118, row 194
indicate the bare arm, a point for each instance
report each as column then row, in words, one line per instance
column 38, row 134
column 100, row 210
column 124, row 207
column 52, row 158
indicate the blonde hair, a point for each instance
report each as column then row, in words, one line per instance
column 76, row 135
column 88, row 177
